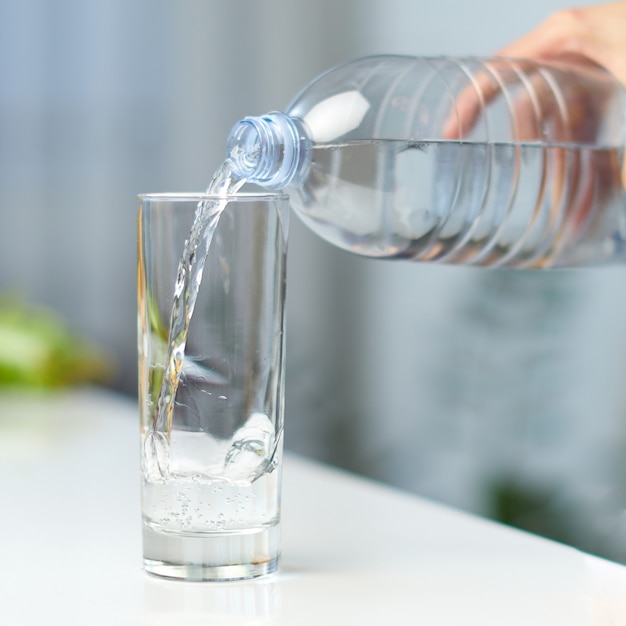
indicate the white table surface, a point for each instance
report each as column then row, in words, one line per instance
column 354, row 551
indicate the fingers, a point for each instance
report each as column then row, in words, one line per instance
column 500, row 78
column 469, row 105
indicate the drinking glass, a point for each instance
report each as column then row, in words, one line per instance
column 211, row 440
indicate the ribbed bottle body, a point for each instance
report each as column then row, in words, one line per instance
column 487, row 162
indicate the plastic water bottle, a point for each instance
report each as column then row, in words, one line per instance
column 494, row 162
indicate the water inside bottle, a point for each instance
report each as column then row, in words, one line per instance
column 490, row 204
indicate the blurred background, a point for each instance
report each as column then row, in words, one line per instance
column 502, row 393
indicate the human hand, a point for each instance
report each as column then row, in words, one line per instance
column 592, row 38
column 595, row 34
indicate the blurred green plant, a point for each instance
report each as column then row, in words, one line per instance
column 37, row 350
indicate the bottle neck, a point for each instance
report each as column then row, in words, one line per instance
column 272, row 150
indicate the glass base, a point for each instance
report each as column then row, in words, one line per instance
column 211, row 556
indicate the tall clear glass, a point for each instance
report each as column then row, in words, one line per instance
column 211, row 472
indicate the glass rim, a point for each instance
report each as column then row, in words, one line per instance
column 246, row 196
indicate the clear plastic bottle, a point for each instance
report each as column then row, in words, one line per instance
column 494, row 162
